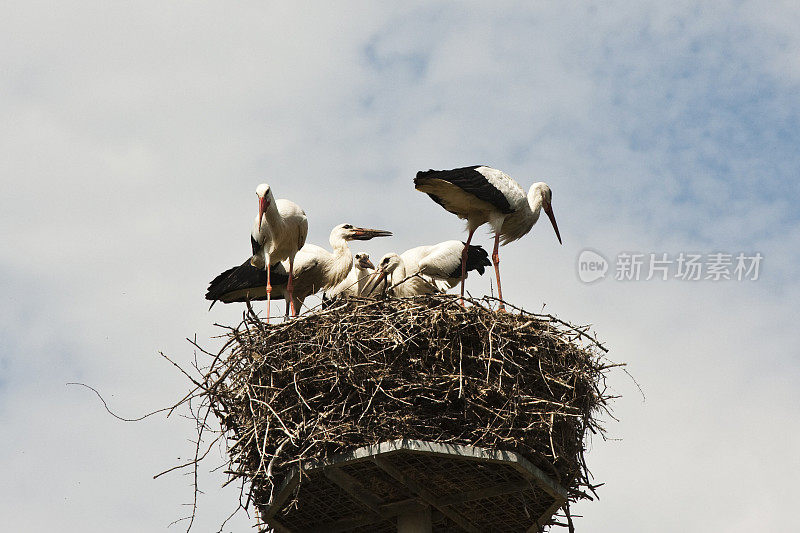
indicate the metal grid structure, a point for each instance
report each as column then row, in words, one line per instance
column 464, row 487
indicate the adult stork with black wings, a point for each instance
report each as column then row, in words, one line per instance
column 279, row 231
column 481, row 194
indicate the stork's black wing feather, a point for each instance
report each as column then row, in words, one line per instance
column 469, row 180
column 255, row 244
column 438, row 201
column 477, row 259
column 242, row 278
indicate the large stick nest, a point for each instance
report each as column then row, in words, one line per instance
column 365, row 371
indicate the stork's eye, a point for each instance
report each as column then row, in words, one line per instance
column 348, row 226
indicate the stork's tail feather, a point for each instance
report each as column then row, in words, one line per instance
column 328, row 301
column 477, row 259
column 242, row 283
column 221, row 284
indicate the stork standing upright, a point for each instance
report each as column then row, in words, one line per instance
column 279, row 231
column 481, row 194
column 315, row 269
column 428, row 269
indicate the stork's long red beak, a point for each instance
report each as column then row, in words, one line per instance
column 366, row 263
column 263, row 204
column 549, row 210
column 365, row 234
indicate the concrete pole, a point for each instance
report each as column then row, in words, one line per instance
column 415, row 519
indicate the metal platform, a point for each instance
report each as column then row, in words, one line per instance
column 416, row 486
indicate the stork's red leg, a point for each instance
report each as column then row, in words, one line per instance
column 290, row 287
column 496, row 261
column 464, row 263
column 269, row 290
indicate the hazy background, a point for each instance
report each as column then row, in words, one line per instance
column 133, row 135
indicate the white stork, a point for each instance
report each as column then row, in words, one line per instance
column 429, row 269
column 279, row 232
column 354, row 283
column 442, row 262
column 482, row 194
column 315, row 269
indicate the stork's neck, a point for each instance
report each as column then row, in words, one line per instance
column 535, row 201
column 399, row 272
column 341, row 260
column 362, row 275
column 272, row 217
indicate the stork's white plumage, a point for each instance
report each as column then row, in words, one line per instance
column 354, row 283
column 442, row 262
column 429, row 269
column 481, row 194
column 279, row 232
column 315, row 269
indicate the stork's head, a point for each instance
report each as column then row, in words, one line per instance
column 543, row 190
column 388, row 264
column 264, row 194
column 362, row 261
column 348, row 232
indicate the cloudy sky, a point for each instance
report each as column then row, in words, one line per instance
column 134, row 134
